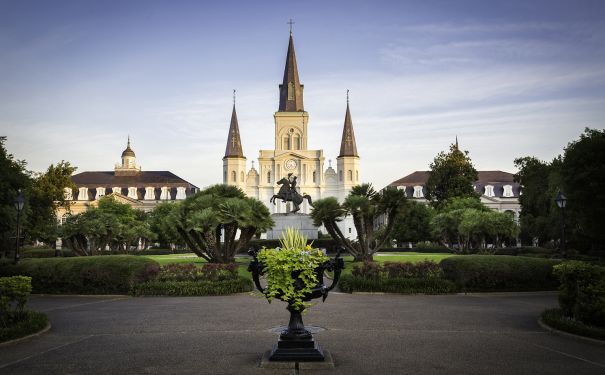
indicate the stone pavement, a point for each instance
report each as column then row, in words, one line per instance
column 366, row 334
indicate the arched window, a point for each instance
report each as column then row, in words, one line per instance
column 225, row 177
column 296, row 142
column 233, row 176
column 350, row 175
column 286, row 143
column 357, row 176
column 314, row 177
column 269, row 177
column 64, row 218
column 241, row 175
column 340, row 175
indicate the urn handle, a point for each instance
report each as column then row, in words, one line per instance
column 256, row 268
column 336, row 265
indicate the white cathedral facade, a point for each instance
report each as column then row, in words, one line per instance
column 292, row 155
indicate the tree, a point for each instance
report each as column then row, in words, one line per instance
column 160, row 223
column 47, row 194
column 210, row 220
column 364, row 204
column 412, row 224
column 446, row 224
column 583, row 182
column 112, row 224
column 13, row 176
column 452, row 175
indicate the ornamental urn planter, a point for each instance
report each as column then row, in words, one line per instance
column 296, row 343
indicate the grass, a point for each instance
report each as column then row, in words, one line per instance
column 244, row 260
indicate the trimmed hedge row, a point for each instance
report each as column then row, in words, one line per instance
column 84, row 275
column 322, row 243
column 582, row 292
column 192, row 288
column 557, row 320
column 434, row 285
column 45, row 253
column 480, row 273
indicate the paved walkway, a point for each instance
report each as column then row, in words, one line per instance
column 366, row 334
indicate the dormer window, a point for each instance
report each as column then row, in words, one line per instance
column 180, row 193
column 418, row 192
column 83, row 194
column 132, row 193
column 100, row 192
column 508, row 191
column 165, row 193
column 67, row 194
column 149, row 193
column 116, row 190
column 401, row 187
column 489, row 191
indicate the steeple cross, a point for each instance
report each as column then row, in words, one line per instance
column 347, row 96
column 233, row 96
column 290, row 23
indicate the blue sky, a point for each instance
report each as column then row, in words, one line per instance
column 509, row 78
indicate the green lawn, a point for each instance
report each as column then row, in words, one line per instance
column 243, row 261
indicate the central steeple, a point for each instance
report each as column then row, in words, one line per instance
column 291, row 91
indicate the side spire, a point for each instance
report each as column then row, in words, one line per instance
column 234, row 143
column 348, row 146
column 291, row 91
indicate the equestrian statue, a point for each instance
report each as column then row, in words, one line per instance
column 288, row 193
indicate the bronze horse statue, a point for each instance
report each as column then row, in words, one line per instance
column 288, row 193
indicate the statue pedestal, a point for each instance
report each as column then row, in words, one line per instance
column 301, row 222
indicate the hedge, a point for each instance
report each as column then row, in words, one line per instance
column 555, row 318
column 322, row 243
column 350, row 283
column 582, row 292
column 29, row 322
column 44, row 253
column 500, row 273
column 84, row 275
column 192, row 288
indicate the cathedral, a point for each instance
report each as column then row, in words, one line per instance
column 291, row 155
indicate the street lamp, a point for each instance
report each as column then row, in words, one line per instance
column 19, row 203
column 561, row 201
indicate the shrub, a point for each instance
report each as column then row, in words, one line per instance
column 192, row 288
column 14, row 292
column 367, row 270
column 28, row 322
column 189, row 272
column 44, row 253
column 374, row 270
column 582, row 292
column 500, row 273
column 85, row 275
column 557, row 320
column 350, row 283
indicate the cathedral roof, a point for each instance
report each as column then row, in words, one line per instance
column 234, row 142
column 348, row 146
column 291, row 91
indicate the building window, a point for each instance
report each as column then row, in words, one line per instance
column 100, row 192
column 269, row 177
column 67, row 194
column 508, row 191
column 83, row 194
column 241, row 176
column 180, row 193
column 116, row 190
column 489, row 191
column 291, row 91
column 233, row 176
column 296, row 142
column 340, row 175
column 314, row 177
column 132, row 193
column 64, row 218
column 165, row 193
column 418, row 192
column 357, row 176
column 286, row 145
column 149, row 193
column 401, row 187
column 350, row 175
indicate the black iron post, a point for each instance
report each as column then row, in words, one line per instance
column 561, row 201
column 19, row 202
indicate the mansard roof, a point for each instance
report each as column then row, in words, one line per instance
column 141, row 179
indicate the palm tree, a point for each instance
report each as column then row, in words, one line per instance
column 365, row 205
column 220, row 211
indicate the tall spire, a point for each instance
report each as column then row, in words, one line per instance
column 234, row 143
column 456, row 141
column 291, row 91
column 348, row 146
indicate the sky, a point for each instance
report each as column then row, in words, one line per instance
column 508, row 78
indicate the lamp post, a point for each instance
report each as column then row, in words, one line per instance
column 561, row 201
column 19, row 203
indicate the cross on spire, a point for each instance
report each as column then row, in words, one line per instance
column 233, row 96
column 347, row 96
column 290, row 23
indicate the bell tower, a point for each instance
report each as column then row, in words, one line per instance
column 234, row 161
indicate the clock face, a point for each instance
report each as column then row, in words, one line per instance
column 290, row 164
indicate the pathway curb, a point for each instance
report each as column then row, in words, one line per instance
column 570, row 335
column 14, row 341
